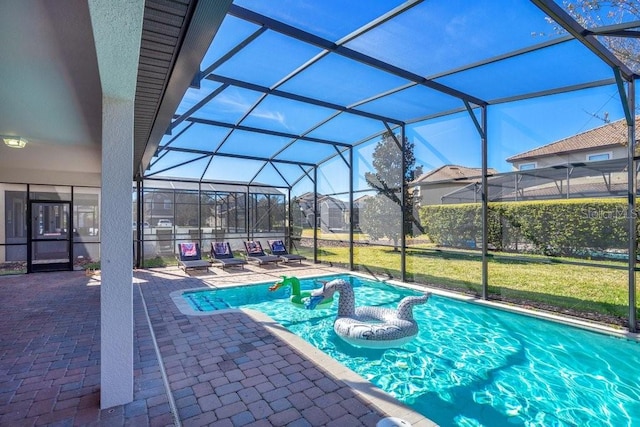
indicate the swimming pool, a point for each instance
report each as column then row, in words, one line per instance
column 470, row 365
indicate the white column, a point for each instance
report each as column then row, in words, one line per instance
column 116, row 254
column 117, row 29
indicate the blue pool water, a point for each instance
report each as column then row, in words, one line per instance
column 470, row 365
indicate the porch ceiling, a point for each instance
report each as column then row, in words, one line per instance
column 50, row 89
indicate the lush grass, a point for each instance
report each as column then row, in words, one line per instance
column 595, row 290
column 357, row 236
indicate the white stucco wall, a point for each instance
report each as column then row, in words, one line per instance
column 431, row 194
column 577, row 157
column 41, row 162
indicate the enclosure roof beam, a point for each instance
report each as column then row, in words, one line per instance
column 557, row 91
column 559, row 15
column 508, row 55
column 294, row 97
column 238, row 156
column 266, row 131
column 477, row 124
column 618, row 30
column 232, row 52
column 623, row 97
column 325, row 44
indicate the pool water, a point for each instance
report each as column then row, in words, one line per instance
column 470, row 365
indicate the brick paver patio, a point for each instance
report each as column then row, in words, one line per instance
column 226, row 369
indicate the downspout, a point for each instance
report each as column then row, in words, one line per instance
column 568, row 178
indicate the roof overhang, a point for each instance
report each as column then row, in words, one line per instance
column 175, row 36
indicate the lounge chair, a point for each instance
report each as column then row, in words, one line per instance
column 189, row 257
column 256, row 253
column 278, row 248
column 221, row 253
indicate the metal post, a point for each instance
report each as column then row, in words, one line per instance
column 248, row 212
column 481, row 127
column 403, row 207
column 633, row 187
column 139, row 223
column 485, row 207
column 351, row 216
column 315, row 214
column 199, row 216
column 289, row 225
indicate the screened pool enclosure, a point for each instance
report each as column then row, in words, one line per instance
column 482, row 147
column 375, row 130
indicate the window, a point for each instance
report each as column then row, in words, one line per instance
column 86, row 213
column 527, row 166
column 598, row 156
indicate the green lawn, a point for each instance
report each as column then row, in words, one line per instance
column 357, row 236
column 591, row 291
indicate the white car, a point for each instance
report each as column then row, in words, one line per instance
column 164, row 223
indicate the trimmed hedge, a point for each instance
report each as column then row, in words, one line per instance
column 552, row 227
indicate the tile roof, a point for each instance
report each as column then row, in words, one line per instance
column 611, row 134
column 451, row 172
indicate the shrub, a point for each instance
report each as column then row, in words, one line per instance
column 550, row 227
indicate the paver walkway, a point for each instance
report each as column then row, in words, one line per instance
column 222, row 370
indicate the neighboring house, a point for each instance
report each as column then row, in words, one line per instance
column 430, row 187
column 357, row 205
column 606, row 142
column 159, row 206
column 595, row 163
column 333, row 213
column 589, row 164
column 305, row 205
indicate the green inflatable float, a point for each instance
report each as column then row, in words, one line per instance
column 296, row 295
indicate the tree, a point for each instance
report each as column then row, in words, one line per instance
column 381, row 214
column 592, row 14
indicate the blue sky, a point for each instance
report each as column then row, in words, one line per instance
column 429, row 39
column 513, row 128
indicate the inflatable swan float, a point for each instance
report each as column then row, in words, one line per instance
column 373, row 327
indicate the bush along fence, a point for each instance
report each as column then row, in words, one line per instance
column 584, row 228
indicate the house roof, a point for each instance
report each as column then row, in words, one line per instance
column 611, row 134
column 451, row 172
column 307, row 198
column 500, row 186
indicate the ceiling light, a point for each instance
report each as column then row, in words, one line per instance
column 14, row 141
